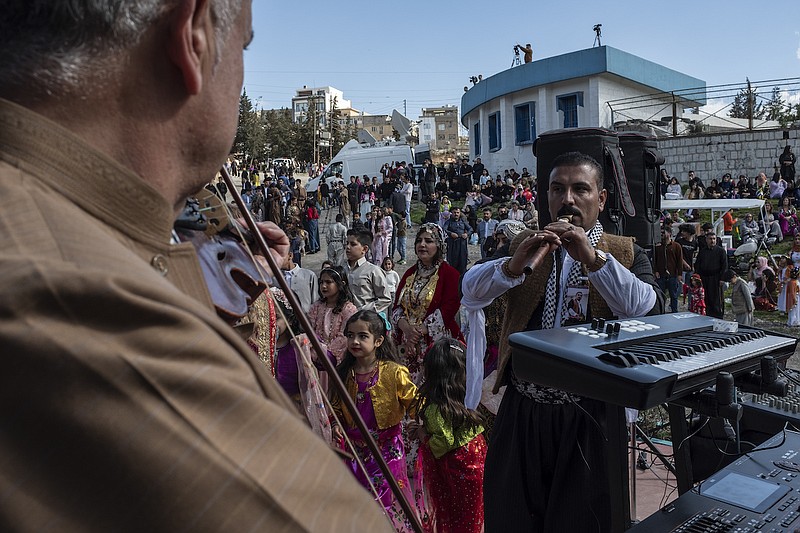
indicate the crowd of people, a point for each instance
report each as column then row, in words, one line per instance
column 422, row 309
column 409, row 330
column 691, row 259
column 131, row 405
column 765, row 288
column 781, row 184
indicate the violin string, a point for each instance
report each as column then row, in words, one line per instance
column 279, row 311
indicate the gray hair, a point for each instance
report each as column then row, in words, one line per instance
column 50, row 47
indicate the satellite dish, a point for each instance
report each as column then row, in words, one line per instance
column 365, row 137
column 402, row 125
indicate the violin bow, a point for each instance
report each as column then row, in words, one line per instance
column 334, row 377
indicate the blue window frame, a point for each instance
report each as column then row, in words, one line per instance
column 525, row 123
column 568, row 104
column 476, row 135
column 494, row 132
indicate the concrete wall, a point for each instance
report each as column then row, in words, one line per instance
column 712, row 155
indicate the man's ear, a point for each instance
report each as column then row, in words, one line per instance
column 190, row 41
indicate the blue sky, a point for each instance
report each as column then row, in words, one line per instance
column 382, row 52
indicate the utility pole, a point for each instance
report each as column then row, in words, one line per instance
column 405, row 109
column 674, row 116
column 750, row 104
column 313, row 103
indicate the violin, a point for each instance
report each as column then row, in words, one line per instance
column 233, row 279
column 333, row 376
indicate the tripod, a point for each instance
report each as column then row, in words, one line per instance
column 762, row 245
column 515, row 62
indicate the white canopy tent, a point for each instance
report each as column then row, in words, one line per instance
column 717, row 207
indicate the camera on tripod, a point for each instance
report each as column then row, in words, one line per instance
column 516, row 50
column 597, row 33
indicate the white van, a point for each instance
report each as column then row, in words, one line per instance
column 357, row 160
column 287, row 162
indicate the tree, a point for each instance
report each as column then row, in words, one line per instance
column 245, row 123
column 776, row 108
column 249, row 131
column 304, row 140
column 279, row 132
column 792, row 115
column 740, row 107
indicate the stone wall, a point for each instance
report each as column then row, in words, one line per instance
column 712, row 155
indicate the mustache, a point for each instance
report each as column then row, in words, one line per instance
column 568, row 210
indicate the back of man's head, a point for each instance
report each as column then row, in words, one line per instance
column 56, row 48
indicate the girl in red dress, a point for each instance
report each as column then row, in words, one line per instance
column 452, row 448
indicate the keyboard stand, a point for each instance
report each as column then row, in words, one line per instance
column 617, row 459
column 681, row 454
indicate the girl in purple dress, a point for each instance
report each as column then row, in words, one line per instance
column 383, row 392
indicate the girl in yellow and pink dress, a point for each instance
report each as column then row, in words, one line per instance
column 383, row 393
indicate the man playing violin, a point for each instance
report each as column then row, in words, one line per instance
column 126, row 404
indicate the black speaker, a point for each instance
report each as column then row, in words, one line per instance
column 603, row 146
column 642, row 162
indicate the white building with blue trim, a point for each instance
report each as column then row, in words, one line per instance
column 504, row 113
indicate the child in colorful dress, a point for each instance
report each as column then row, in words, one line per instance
column 392, row 277
column 697, row 295
column 383, row 393
column 444, row 210
column 783, row 278
column 453, row 448
column 296, row 369
column 285, row 360
column 329, row 314
column 793, row 298
column 382, row 230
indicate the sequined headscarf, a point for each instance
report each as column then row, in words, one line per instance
column 436, row 232
column 510, row 228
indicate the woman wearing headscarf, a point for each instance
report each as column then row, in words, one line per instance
column 425, row 308
column 426, row 301
column 757, row 272
column 787, row 217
